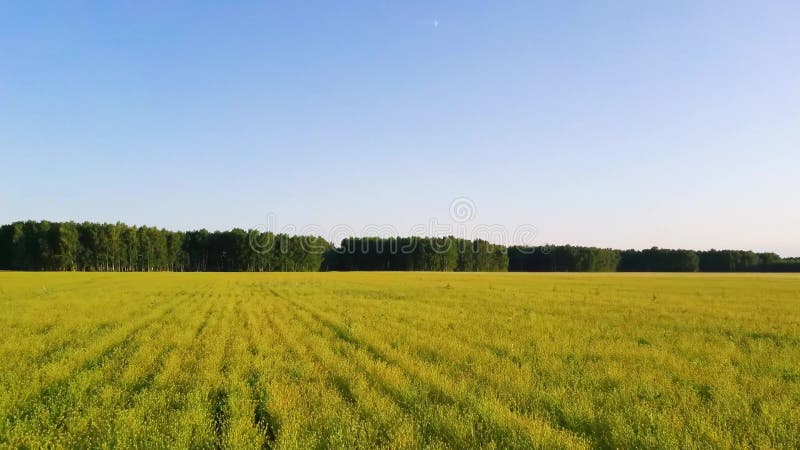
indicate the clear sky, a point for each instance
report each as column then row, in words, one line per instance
column 623, row 124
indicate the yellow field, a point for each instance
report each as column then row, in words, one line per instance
column 399, row 360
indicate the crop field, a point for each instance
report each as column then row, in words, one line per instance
column 399, row 360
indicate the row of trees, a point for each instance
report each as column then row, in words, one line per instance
column 564, row 258
column 737, row 261
column 784, row 265
column 590, row 259
column 659, row 260
column 414, row 253
column 253, row 251
column 119, row 247
column 124, row 248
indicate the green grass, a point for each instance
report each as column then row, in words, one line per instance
column 400, row 360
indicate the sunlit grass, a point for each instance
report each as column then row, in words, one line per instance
column 399, row 360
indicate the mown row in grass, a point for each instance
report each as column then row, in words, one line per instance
column 399, row 360
column 119, row 247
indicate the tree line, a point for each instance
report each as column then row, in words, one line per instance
column 123, row 248
column 70, row 246
column 590, row 259
column 445, row 254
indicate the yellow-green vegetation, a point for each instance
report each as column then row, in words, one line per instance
column 399, row 360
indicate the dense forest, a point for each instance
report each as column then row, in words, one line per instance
column 589, row 259
column 414, row 253
column 69, row 246
column 119, row 247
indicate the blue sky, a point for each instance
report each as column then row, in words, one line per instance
column 624, row 124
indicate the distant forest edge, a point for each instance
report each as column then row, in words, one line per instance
column 70, row 246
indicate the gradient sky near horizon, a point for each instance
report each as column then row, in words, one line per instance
column 626, row 124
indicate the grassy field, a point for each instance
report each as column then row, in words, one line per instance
column 400, row 360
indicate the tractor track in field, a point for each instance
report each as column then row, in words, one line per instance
column 267, row 422
column 144, row 382
column 554, row 414
column 410, row 407
column 336, row 380
column 363, row 360
column 436, row 392
column 53, row 389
